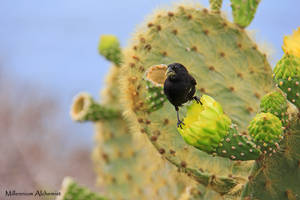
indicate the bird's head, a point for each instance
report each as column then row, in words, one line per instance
column 175, row 69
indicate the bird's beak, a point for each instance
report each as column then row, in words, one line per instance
column 170, row 72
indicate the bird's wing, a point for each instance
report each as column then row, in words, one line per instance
column 193, row 81
column 191, row 92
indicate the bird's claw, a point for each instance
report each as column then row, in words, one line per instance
column 180, row 123
column 197, row 99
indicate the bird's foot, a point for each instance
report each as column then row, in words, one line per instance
column 197, row 99
column 180, row 123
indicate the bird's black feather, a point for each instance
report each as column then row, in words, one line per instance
column 179, row 87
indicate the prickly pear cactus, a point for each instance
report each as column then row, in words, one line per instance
column 277, row 176
column 127, row 165
column 109, row 47
column 243, row 11
column 209, row 129
column 287, row 77
column 275, row 103
column 266, row 131
column 243, row 142
column 287, row 70
column 156, row 96
column 227, row 66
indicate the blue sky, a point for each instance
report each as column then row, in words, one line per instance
column 53, row 43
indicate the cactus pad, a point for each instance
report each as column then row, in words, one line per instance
column 72, row 191
column 236, row 146
column 277, row 177
column 109, row 47
column 287, row 76
column 243, row 11
column 226, row 65
column 127, row 165
column 208, row 129
column 275, row 103
column 84, row 108
column 215, row 5
column 155, row 77
column 266, row 131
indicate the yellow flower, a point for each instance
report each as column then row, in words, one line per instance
column 291, row 44
column 205, row 125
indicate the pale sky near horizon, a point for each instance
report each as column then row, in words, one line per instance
column 53, row 44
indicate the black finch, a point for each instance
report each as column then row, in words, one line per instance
column 179, row 87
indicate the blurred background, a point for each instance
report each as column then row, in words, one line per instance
column 48, row 53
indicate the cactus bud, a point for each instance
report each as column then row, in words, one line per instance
column 266, row 131
column 205, row 125
column 109, row 47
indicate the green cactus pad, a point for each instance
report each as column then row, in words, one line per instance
column 208, row 129
column 155, row 77
column 287, row 77
column 236, row 146
column 109, row 47
column 287, row 66
column 266, row 131
column 72, row 191
column 275, row 103
column 205, row 125
column 243, row 11
column 226, row 65
column 277, row 177
column 84, row 108
column 126, row 164
column 199, row 193
column 215, row 5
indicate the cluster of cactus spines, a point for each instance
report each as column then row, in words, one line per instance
column 243, row 11
column 156, row 97
column 109, row 47
column 70, row 190
column 84, row 108
column 226, row 65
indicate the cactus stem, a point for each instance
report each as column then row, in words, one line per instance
column 84, row 108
